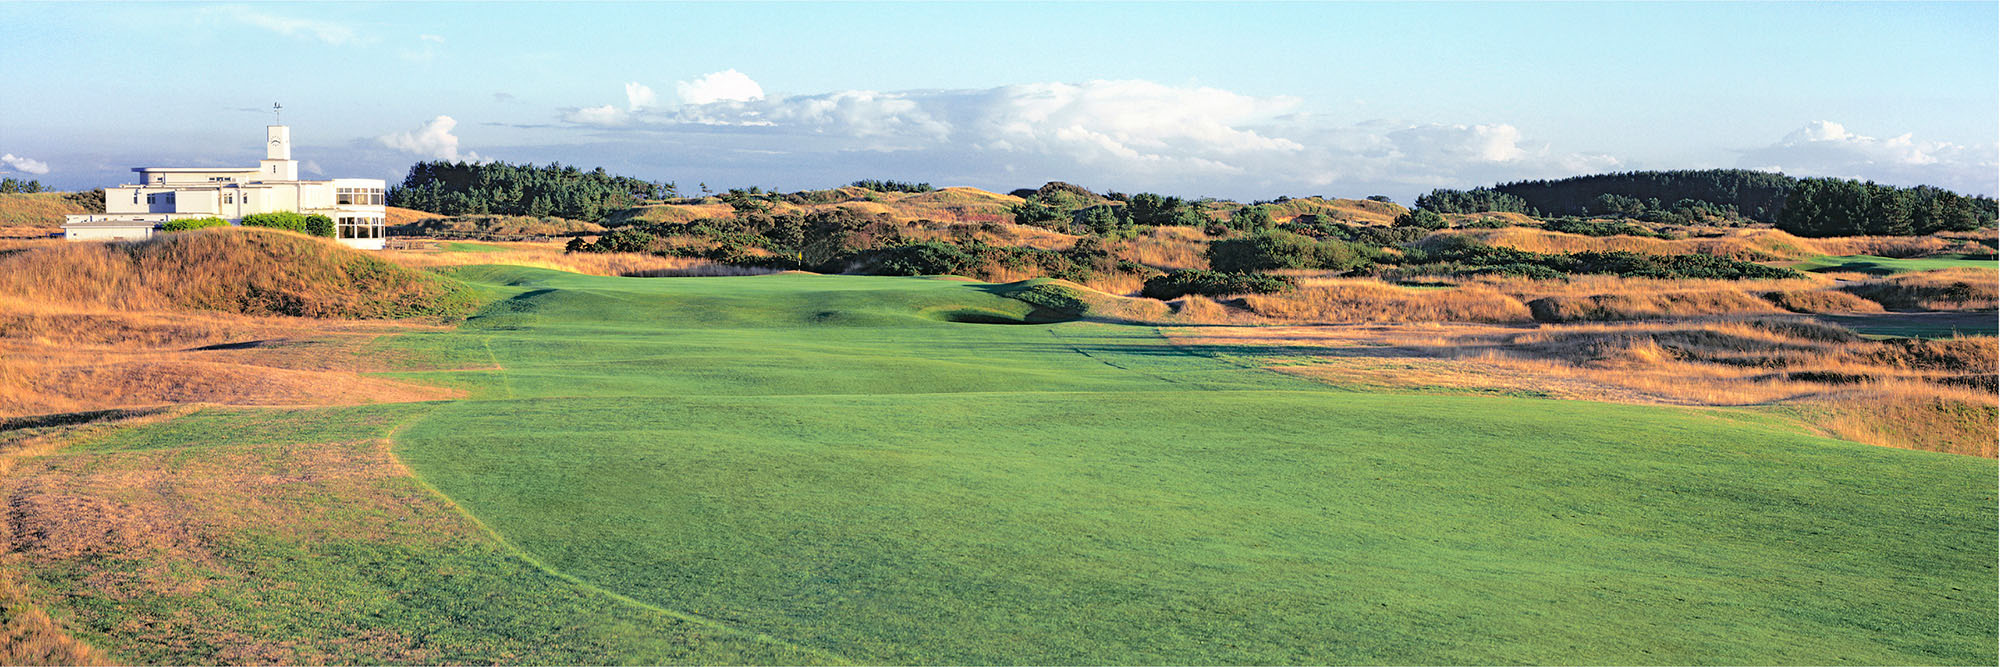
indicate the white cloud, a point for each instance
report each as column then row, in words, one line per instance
column 24, row 165
column 432, row 140
column 434, row 39
column 725, row 86
column 604, row 116
column 324, row 31
column 638, row 96
column 1826, row 148
column 1129, row 135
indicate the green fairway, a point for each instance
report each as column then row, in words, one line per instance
column 1920, row 325
column 844, row 465
column 1883, row 266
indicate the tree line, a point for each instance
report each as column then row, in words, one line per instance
column 1836, row 207
column 1807, row 207
column 18, row 186
column 460, row 188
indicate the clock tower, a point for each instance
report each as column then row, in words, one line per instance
column 278, row 164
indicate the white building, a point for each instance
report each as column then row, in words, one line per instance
column 171, row 193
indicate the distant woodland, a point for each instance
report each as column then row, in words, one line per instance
column 1806, row 207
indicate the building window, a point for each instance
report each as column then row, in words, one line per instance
column 359, row 228
column 358, row 196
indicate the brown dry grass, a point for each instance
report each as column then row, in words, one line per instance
column 1373, row 301
column 550, row 255
column 1165, row 248
column 1754, row 245
column 952, row 205
column 1648, row 305
column 1944, row 289
column 39, row 211
column 241, row 270
column 57, row 358
column 1353, row 211
column 1830, row 378
column 394, row 216
column 1821, row 301
column 1323, row 299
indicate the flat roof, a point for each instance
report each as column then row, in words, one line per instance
column 194, row 168
column 113, row 223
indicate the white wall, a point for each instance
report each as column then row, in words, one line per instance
column 133, row 233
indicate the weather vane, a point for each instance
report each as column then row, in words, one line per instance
column 277, row 112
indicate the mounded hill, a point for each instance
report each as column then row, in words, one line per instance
column 43, row 210
column 1356, row 211
column 235, row 270
column 957, row 204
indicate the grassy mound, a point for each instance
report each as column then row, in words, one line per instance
column 235, row 270
column 39, row 209
column 500, row 227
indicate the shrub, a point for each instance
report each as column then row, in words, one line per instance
column 1263, row 252
column 1250, row 219
column 285, row 220
column 924, row 259
column 1599, row 228
column 1422, row 219
column 1285, row 250
column 185, row 224
column 1468, row 256
column 892, row 186
column 319, row 225
column 1032, row 212
column 1212, row 283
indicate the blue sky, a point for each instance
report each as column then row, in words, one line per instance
column 1228, row 100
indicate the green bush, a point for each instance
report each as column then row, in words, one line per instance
column 185, row 224
column 1467, row 256
column 1285, row 250
column 1422, row 219
column 286, row 220
column 1250, row 219
column 924, row 259
column 1599, row 228
column 1212, row 283
column 319, row 225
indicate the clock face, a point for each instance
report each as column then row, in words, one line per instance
column 275, row 140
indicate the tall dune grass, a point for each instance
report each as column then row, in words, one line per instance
column 1931, row 395
column 1754, row 245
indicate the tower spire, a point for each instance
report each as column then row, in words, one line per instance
column 277, row 113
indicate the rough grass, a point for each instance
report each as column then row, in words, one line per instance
column 957, row 204
column 1828, row 374
column 549, row 255
column 232, row 270
column 1371, row 301
column 1352, row 211
column 1752, row 245
column 295, row 537
column 1946, row 289
column 57, row 359
column 493, row 227
column 40, row 211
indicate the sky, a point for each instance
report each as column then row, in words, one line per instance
column 1245, row 101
